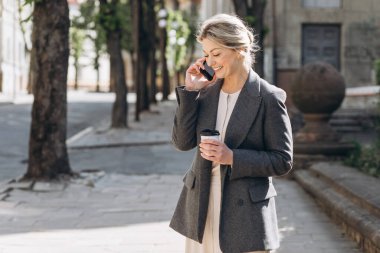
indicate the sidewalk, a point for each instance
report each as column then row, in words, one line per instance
column 115, row 212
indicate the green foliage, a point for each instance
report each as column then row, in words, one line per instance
column 178, row 34
column 250, row 20
column 32, row 1
column 117, row 17
column 367, row 159
column 377, row 71
column 85, row 26
column 77, row 37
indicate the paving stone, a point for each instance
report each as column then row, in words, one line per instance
column 136, row 218
column 21, row 185
column 48, row 187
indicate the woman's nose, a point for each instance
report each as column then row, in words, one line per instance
column 210, row 62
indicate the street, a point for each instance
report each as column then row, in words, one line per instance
column 84, row 109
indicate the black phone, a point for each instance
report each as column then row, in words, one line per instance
column 208, row 72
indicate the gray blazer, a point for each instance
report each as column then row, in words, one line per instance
column 259, row 133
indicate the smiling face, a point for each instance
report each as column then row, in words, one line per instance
column 223, row 60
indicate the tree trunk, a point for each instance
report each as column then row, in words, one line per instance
column 194, row 19
column 152, row 28
column 117, row 80
column 136, row 10
column 96, row 62
column 117, row 71
column 48, row 156
column 76, row 66
column 164, row 66
column 97, row 71
column 31, row 72
column 176, row 5
column 145, row 101
column 147, row 49
column 256, row 10
column 153, row 76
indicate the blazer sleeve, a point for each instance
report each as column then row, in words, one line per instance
column 185, row 119
column 277, row 158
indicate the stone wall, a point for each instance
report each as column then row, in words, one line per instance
column 359, row 43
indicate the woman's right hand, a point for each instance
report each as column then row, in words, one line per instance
column 194, row 78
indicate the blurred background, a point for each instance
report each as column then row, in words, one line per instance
column 87, row 93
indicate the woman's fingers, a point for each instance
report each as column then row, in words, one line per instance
column 209, row 152
column 193, row 69
column 216, row 151
column 194, row 78
column 211, row 149
column 199, row 63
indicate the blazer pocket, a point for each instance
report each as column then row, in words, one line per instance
column 261, row 192
column 189, row 179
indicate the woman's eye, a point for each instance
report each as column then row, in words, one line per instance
column 205, row 56
column 215, row 55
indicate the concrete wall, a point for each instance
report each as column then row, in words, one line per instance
column 360, row 30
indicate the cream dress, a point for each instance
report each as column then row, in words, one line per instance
column 210, row 240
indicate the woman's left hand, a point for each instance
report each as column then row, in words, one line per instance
column 216, row 151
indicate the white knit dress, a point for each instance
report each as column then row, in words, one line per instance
column 210, row 242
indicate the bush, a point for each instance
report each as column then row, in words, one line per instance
column 367, row 159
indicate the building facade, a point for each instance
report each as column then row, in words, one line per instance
column 13, row 63
column 344, row 33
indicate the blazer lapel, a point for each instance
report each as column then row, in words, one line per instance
column 244, row 112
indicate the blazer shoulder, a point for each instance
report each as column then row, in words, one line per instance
column 268, row 90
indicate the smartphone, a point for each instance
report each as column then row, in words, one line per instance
column 208, row 72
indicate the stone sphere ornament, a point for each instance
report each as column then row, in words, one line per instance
column 318, row 91
column 318, row 88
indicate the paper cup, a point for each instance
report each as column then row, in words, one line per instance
column 210, row 134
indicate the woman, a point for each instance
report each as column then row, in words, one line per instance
column 227, row 203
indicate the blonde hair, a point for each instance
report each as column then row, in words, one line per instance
column 230, row 32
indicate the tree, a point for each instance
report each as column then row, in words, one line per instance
column 152, row 26
column 252, row 11
column 25, row 22
column 88, row 21
column 165, row 81
column 77, row 37
column 48, row 156
column 110, row 18
column 136, row 7
column 144, row 47
column 192, row 18
column 178, row 31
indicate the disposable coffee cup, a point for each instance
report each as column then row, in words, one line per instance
column 207, row 134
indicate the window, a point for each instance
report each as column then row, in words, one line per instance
column 321, row 3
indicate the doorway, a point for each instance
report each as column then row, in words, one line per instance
column 321, row 43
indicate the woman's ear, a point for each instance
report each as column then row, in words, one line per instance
column 240, row 53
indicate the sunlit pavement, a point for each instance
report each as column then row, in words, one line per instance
column 146, row 237
column 131, row 213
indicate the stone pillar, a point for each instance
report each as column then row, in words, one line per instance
column 318, row 90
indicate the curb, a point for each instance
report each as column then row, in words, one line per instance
column 360, row 224
column 79, row 135
column 71, row 141
column 359, row 188
column 115, row 145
